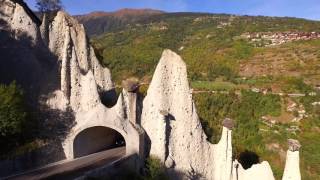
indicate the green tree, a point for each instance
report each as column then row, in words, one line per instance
column 45, row 6
column 13, row 116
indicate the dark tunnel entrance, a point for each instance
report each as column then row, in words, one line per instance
column 96, row 139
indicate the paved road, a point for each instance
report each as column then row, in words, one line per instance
column 74, row 168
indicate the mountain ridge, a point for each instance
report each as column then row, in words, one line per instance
column 121, row 12
column 100, row 22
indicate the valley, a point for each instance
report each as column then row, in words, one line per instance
column 232, row 76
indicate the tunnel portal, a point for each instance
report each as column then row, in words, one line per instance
column 96, row 139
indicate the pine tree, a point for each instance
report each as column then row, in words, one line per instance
column 48, row 6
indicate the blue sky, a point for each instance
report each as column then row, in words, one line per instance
column 309, row 9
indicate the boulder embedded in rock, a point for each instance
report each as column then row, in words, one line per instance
column 292, row 168
column 130, row 85
column 228, row 123
column 294, row 145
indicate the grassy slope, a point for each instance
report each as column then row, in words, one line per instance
column 218, row 60
column 207, row 49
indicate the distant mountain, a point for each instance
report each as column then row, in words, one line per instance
column 99, row 22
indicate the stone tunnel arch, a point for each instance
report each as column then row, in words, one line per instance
column 95, row 139
column 107, row 118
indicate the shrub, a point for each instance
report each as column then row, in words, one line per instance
column 156, row 169
column 295, row 84
column 242, row 49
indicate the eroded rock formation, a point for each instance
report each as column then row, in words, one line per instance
column 292, row 168
column 176, row 136
column 82, row 82
column 72, row 81
column 82, row 77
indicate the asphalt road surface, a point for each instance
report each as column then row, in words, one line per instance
column 74, row 168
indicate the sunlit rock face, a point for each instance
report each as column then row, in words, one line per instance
column 172, row 124
column 223, row 153
column 18, row 20
column 82, row 76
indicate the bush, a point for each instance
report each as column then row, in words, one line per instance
column 296, row 85
column 242, row 49
column 156, row 169
column 224, row 70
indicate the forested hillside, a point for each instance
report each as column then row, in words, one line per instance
column 271, row 91
column 97, row 23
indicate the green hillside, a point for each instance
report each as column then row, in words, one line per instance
column 220, row 59
column 208, row 43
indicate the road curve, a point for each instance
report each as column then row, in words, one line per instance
column 74, row 168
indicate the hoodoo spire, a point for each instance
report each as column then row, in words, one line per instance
column 292, row 168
